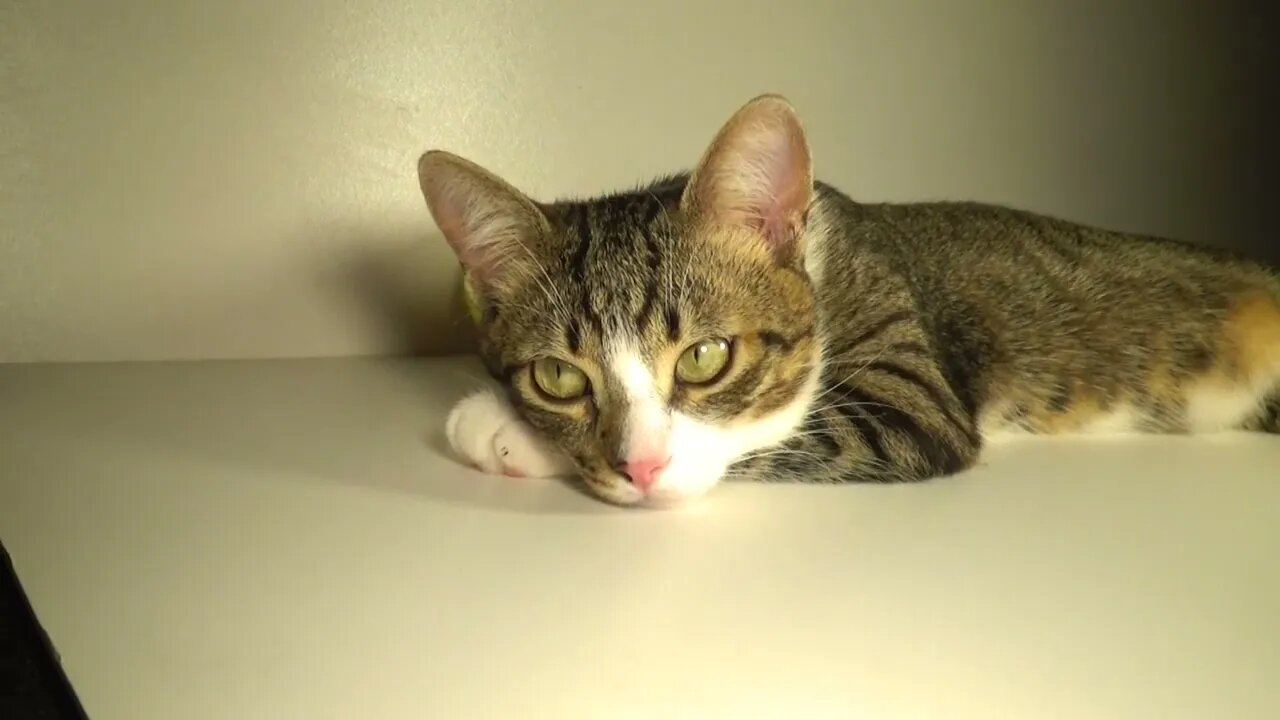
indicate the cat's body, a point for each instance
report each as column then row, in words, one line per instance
column 949, row 325
column 864, row 342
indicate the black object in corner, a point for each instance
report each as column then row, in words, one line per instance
column 32, row 683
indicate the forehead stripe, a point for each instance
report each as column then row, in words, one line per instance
column 573, row 335
column 578, row 261
column 651, row 283
column 673, row 323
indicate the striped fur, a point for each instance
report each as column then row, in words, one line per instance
column 907, row 335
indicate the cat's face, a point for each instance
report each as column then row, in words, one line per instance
column 656, row 337
column 657, row 353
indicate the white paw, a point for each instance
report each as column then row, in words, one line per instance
column 486, row 432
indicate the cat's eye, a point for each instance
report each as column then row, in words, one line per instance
column 703, row 361
column 559, row 379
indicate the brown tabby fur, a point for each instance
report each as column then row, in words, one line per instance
column 937, row 325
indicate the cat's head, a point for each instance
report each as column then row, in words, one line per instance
column 658, row 336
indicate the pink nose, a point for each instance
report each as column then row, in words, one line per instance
column 644, row 472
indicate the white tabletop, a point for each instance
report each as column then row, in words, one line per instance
column 288, row 540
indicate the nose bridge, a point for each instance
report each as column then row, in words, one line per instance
column 638, row 421
column 611, row 426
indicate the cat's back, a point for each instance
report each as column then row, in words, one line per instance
column 982, row 236
column 979, row 250
column 1037, row 312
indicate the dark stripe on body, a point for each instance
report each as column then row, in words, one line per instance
column 861, row 422
column 928, row 388
column 963, row 353
column 879, row 327
column 908, row 348
column 937, row 454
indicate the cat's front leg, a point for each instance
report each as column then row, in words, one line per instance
column 485, row 431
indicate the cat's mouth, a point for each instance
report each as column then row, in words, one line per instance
column 613, row 488
column 678, row 486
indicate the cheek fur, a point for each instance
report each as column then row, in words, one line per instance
column 769, row 372
column 702, row 452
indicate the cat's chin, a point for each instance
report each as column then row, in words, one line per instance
column 680, row 485
column 665, row 498
column 655, row 499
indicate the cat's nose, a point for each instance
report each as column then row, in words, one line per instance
column 645, row 471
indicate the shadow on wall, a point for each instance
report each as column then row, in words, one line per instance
column 391, row 281
column 1251, row 141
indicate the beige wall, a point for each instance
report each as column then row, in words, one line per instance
column 235, row 179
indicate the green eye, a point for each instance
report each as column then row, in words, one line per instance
column 559, row 379
column 703, row 361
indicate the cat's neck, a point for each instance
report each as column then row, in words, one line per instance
column 820, row 230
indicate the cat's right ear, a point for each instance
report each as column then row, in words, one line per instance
column 757, row 177
column 486, row 221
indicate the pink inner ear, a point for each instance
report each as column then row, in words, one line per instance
column 448, row 209
column 777, row 199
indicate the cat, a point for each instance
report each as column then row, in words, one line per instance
column 744, row 320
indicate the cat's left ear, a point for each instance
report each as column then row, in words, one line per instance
column 757, row 175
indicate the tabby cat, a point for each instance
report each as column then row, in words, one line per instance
column 746, row 321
